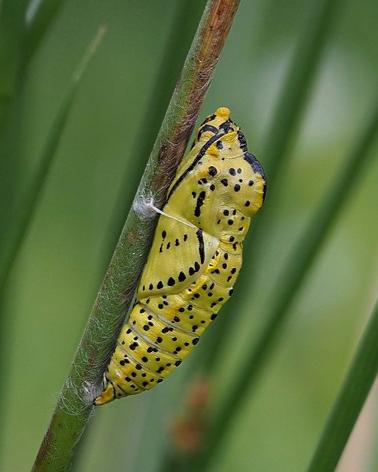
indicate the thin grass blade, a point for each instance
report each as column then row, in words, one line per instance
column 38, row 18
column 25, row 214
column 351, row 398
column 12, row 37
column 23, row 24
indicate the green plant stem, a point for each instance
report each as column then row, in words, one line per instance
column 291, row 281
column 74, row 404
column 350, row 400
column 183, row 27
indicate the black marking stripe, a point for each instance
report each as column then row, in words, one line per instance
column 242, row 141
column 256, row 167
column 200, row 199
column 255, row 164
column 200, row 154
column 114, row 390
column 201, row 246
column 205, row 128
column 226, row 126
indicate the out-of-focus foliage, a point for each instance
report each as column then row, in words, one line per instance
column 62, row 261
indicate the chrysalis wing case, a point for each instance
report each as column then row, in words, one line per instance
column 194, row 260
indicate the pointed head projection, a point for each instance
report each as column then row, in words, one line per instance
column 218, row 123
column 220, row 135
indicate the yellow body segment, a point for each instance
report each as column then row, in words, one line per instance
column 194, row 260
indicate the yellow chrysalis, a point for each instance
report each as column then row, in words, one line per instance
column 194, row 260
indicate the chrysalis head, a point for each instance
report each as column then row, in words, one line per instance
column 217, row 124
column 225, row 142
column 247, row 181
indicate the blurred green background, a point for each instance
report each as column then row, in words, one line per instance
column 95, row 174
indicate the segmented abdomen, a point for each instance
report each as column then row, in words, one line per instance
column 162, row 330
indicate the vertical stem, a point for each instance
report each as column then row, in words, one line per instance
column 115, row 295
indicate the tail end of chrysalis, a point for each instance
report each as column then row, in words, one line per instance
column 106, row 396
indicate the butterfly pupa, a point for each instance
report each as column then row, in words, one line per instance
column 194, row 260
